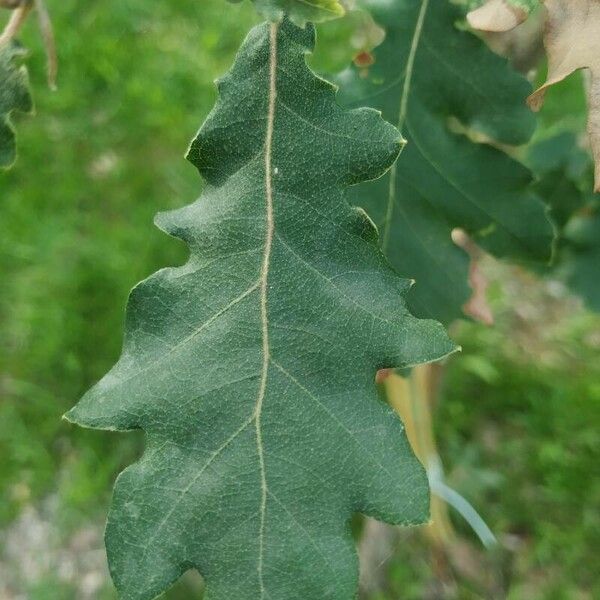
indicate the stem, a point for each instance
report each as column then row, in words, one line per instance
column 47, row 32
column 413, row 399
column 16, row 21
column 466, row 510
column 21, row 11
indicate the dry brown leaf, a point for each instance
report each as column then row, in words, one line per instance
column 572, row 41
column 477, row 306
column 496, row 16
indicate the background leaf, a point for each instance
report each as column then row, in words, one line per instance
column 450, row 95
column 565, row 180
column 14, row 96
column 299, row 11
column 242, row 366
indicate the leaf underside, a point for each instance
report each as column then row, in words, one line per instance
column 251, row 368
column 14, row 96
column 439, row 84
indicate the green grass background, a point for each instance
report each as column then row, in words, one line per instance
column 519, row 421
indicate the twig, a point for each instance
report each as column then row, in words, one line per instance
column 49, row 42
column 16, row 21
column 21, row 9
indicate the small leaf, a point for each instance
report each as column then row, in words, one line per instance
column 445, row 89
column 252, row 367
column 572, row 41
column 14, row 96
column 299, row 11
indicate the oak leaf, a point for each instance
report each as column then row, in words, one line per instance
column 252, row 367
column 458, row 104
column 572, row 41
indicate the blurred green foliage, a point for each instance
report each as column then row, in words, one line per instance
column 518, row 433
column 518, row 424
column 103, row 154
column 533, row 427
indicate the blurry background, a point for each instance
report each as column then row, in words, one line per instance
column 518, row 421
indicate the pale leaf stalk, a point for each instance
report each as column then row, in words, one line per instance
column 47, row 31
column 412, row 398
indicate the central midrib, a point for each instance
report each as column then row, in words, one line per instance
column 402, row 111
column 264, row 287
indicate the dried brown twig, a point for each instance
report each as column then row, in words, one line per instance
column 21, row 10
column 47, row 32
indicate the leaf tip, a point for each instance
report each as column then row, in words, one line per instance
column 535, row 101
column 496, row 16
column 69, row 417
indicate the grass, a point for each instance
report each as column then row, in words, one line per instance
column 518, row 432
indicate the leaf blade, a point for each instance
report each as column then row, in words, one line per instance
column 441, row 85
column 264, row 442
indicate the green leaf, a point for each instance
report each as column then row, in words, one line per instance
column 251, row 368
column 14, row 96
column 299, row 11
column 579, row 261
column 565, row 179
column 561, row 168
column 444, row 88
column 526, row 5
